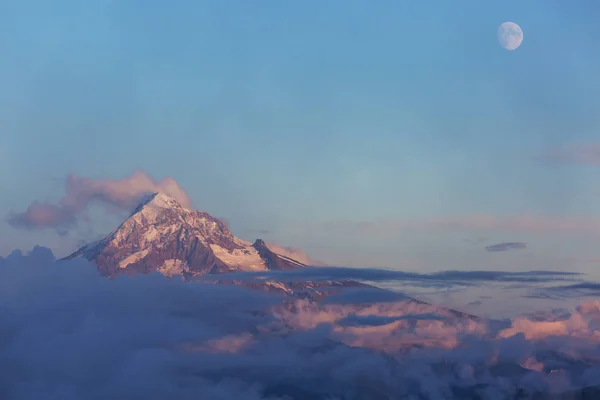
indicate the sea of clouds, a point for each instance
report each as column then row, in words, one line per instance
column 67, row 333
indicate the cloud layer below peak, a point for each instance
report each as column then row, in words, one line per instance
column 68, row 333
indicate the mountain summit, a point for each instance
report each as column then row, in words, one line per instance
column 161, row 235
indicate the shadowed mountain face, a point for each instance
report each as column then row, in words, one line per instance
column 161, row 235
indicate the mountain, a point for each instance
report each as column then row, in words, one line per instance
column 161, row 235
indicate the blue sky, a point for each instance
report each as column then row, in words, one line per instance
column 287, row 117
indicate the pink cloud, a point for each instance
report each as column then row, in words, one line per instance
column 581, row 153
column 579, row 324
column 412, row 325
column 80, row 192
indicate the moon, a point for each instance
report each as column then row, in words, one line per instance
column 510, row 35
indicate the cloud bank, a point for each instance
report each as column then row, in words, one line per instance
column 444, row 278
column 123, row 194
column 69, row 334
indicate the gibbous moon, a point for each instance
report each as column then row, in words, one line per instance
column 510, row 35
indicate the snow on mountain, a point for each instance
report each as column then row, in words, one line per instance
column 161, row 235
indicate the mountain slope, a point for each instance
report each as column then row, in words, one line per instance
column 161, row 235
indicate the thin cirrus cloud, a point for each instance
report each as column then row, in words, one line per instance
column 80, row 192
column 477, row 222
column 581, row 153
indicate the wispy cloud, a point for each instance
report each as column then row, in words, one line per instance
column 580, row 153
column 582, row 286
column 506, row 246
column 80, row 192
column 549, row 224
column 315, row 274
column 586, row 286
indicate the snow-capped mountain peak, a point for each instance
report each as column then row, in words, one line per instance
column 158, row 201
column 161, row 235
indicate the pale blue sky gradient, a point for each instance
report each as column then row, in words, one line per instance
column 282, row 115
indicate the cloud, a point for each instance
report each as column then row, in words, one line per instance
column 446, row 278
column 506, row 246
column 123, row 194
column 580, row 153
column 540, row 224
column 294, row 253
column 583, row 285
column 68, row 333
column 577, row 290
